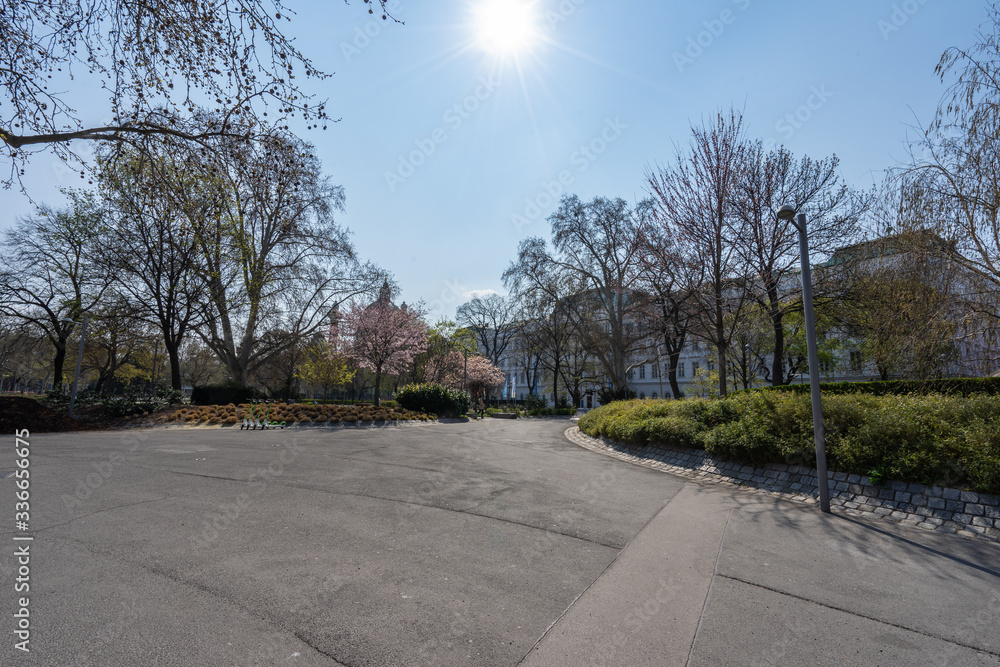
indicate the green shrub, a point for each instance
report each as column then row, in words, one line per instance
column 609, row 395
column 129, row 404
column 434, row 399
column 535, row 402
column 947, row 386
column 946, row 440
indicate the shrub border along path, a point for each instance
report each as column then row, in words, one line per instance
column 945, row 510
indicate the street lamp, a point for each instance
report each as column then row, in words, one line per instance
column 79, row 358
column 788, row 213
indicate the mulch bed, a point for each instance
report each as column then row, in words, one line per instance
column 298, row 413
column 18, row 412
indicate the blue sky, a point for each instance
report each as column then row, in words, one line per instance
column 441, row 195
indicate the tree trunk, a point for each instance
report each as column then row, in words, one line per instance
column 173, row 354
column 723, row 349
column 555, row 384
column 378, row 385
column 58, row 363
column 675, row 387
column 778, row 363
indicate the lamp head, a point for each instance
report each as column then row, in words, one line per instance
column 786, row 212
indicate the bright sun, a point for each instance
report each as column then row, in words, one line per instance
column 506, row 27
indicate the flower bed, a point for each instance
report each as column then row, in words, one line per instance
column 297, row 413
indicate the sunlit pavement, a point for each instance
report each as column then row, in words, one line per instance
column 479, row 543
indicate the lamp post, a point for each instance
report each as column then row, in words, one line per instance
column 788, row 213
column 79, row 358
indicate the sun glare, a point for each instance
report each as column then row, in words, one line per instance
column 506, row 27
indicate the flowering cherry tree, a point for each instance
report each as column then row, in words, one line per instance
column 384, row 338
column 483, row 376
column 477, row 374
column 446, row 369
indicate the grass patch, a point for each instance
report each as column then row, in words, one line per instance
column 945, row 440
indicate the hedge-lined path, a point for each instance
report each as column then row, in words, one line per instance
column 965, row 513
column 472, row 543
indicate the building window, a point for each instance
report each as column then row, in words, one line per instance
column 656, row 371
column 631, row 375
column 694, row 369
column 856, row 361
column 642, row 395
column 653, row 396
column 680, row 369
column 642, row 372
column 711, row 366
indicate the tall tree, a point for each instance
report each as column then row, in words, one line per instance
column 579, row 372
column 594, row 251
column 150, row 245
column 694, row 204
column 273, row 257
column 48, row 276
column 493, row 319
column 769, row 246
column 546, row 329
column 671, row 280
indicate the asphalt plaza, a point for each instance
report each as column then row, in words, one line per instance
column 475, row 543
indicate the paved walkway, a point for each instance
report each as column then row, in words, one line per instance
column 481, row 543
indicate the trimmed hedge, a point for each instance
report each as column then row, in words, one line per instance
column 434, row 399
column 948, row 386
column 932, row 439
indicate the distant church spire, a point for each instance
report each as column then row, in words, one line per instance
column 385, row 294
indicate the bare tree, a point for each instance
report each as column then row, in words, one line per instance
column 115, row 332
column 199, row 365
column 47, row 274
column 273, row 257
column 769, row 246
column 151, row 247
column 493, row 319
column 694, row 206
column 670, row 279
column 595, row 247
column 154, row 60
column 546, row 329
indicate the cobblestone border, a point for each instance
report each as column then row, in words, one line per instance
column 940, row 509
